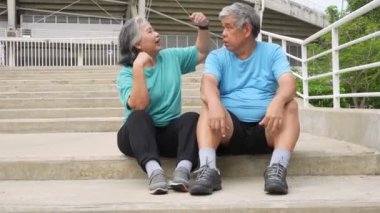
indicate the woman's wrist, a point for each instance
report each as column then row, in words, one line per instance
column 203, row 27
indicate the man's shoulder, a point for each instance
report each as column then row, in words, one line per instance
column 269, row 46
column 220, row 52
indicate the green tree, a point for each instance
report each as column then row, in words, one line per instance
column 367, row 80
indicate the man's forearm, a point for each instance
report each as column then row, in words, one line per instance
column 287, row 89
column 210, row 94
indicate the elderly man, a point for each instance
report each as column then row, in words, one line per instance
column 248, row 107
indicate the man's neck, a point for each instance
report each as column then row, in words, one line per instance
column 247, row 49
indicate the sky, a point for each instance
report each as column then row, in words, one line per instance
column 322, row 4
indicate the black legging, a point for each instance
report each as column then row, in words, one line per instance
column 139, row 138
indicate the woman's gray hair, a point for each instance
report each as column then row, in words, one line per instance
column 244, row 14
column 129, row 36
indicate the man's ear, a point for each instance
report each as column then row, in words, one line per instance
column 247, row 29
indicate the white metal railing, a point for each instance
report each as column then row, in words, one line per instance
column 39, row 52
column 334, row 50
column 65, row 19
column 28, row 52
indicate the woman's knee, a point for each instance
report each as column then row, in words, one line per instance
column 190, row 117
column 139, row 117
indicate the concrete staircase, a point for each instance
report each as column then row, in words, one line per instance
column 58, row 153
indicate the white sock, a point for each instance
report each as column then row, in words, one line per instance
column 207, row 156
column 185, row 164
column 152, row 165
column 281, row 156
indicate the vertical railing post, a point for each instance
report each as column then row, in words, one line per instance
column 305, row 76
column 11, row 54
column 283, row 44
column 335, row 67
column 80, row 53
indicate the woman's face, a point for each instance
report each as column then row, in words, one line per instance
column 150, row 39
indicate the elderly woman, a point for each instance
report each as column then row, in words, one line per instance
column 149, row 85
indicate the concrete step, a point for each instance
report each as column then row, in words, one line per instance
column 40, row 113
column 72, row 74
column 65, row 120
column 73, row 87
column 316, row 194
column 60, row 94
column 74, row 81
column 59, row 87
column 44, row 125
column 50, row 82
column 75, row 94
column 82, row 69
column 15, row 76
column 76, row 156
column 26, row 103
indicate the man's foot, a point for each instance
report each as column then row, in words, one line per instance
column 207, row 181
column 157, row 183
column 275, row 179
column 180, row 182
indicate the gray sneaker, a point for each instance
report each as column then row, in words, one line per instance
column 207, row 181
column 180, row 182
column 157, row 183
column 275, row 179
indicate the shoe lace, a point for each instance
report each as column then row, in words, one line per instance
column 276, row 171
column 204, row 171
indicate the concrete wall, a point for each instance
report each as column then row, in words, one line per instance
column 359, row 126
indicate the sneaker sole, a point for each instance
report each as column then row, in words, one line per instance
column 179, row 187
column 158, row 191
column 200, row 190
column 275, row 189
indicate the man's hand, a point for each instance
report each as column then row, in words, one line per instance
column 274, row 116
column 217, row 119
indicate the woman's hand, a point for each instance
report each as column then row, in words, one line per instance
column 199, row 19
column 143, row 59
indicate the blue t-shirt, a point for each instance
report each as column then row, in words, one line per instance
column 247, row 86
column 163, row 82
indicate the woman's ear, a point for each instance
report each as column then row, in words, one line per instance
column 137, row 46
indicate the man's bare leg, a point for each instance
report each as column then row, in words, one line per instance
column 209, row 139
column 283, row 142
column 208, row 178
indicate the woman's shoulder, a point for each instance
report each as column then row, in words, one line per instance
column 125, row 70
column 176, row 50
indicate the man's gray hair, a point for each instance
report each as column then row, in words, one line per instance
column 129, row 36
column 244, row 14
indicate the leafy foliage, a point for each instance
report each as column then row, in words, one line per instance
column 365, row 80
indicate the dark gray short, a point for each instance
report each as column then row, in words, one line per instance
column 247, row 138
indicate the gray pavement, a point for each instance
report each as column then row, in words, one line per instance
column 311, row 194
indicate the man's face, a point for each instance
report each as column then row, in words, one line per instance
column 233, row 36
